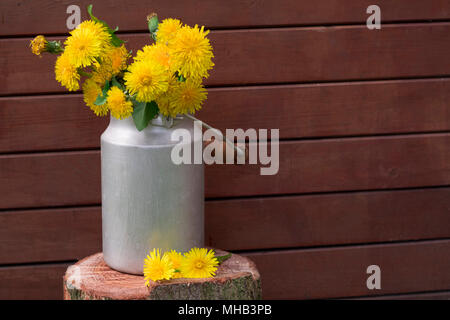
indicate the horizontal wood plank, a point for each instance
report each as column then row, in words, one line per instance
column 25, row 17
column 54, row 122
column 34, row 282
column 341, row 272
column 48, row 123
column 338, row 165
column 50, row 234
column 245, row 224
column 295, row 55
column 293, row 274
column 330, row 219
column 441, row 295
column 50, row 179
column 73, row 178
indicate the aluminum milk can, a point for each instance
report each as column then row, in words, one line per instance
column 147, row 200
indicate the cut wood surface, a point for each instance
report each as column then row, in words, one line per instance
column 241, row 56
column 245, row 224
column 341, row 272
column 91, row 279
column 52, row 122
column 25, row 17
column 73, row 178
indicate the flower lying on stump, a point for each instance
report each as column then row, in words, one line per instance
column 197, row 263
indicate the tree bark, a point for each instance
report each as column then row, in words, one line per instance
column 91, row 279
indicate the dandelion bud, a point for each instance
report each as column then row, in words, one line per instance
column 152, row 20
column 38, row 45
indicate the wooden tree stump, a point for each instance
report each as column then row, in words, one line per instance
column 91, row 279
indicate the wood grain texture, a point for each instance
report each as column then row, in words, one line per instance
column 338, row 165
column 341, row 272
column 296, row 55
column 73, row 178
column 36, row 282
column 54, row 122
column 441, row 295
column 25, row 17
column 49, row 234
column 304, row 79
column 91, row 279
column 331, row 219
column 245, row 224
column 63, row 121
column 50, row 179
column 293, row 274
column 320, row 110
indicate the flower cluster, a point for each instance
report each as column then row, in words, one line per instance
column 162, row 78
column 197, row 263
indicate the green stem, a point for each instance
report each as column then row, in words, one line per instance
column 84, row 74
column 221, row 259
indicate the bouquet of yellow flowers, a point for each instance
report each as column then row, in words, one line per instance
column 163, row 78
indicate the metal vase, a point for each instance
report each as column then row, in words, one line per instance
column 147, row 200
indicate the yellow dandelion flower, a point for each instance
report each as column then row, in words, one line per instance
column 167, row 30
column 147, row 79
column 91, row 90
column 176, row 258
column 163, row 101
column 117, row 58
column 66, row 73
column 157, row 267
column 157, row 52
column 38, row 45
column 118, row 104
column 164, row 106
column 86, row 43
column 187, row 97
column 199, row 263
column 102, row 73
column 191, row 52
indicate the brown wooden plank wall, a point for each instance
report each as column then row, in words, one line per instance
column 364, row 159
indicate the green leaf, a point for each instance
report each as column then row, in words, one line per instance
column 144, row 112
column 116, row 83
column 114, row 39
column 221, row 259
column 101, row 98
